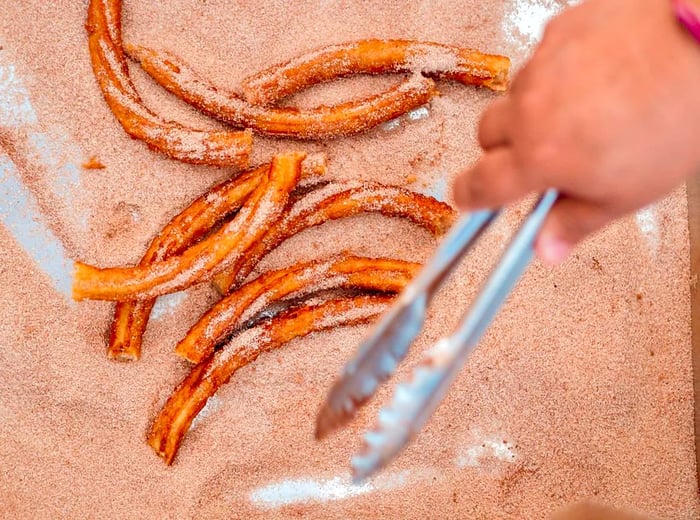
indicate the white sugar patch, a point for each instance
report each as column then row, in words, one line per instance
column 166, row 305
column 60, row 156
column 295, row 491
column 56, row 154
column 212, row 405
column 20, row 214
column 15, row 107
column 418, row 113
column 437, row 190
column 525, row 20
column 305, row 490
column 487, row 447
column 648, row 224
column 391, row 125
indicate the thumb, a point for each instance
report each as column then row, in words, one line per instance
column 568, row 223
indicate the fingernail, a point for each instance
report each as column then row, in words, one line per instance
column 553, row 251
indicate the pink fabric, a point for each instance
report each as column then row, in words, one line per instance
column 688, row 14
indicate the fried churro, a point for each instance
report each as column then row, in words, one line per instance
column 199, row 218
column 340, row 272
column 203, row 260
column 214, row 147
column 323, row 122
column 194, row 222
column 174, row 419
column 466, row 66
column 339, row 200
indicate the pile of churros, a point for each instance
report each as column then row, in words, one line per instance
column 222, row 235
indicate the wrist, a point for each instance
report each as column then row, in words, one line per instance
column 688, row 14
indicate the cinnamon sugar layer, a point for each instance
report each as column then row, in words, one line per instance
column 581, row 389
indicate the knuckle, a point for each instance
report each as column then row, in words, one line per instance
column 539, row 159
column 545, row 155
column 530, row 105
column 474, row 187
column 468, row 189
column 482, row 184
column 485, row 128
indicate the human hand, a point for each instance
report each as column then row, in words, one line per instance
column 607, row 110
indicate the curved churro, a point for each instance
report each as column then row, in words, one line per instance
column 195, row 221
column 340, row 272
column 174, row 419
column 131, row 318
column 215, row 147
column 203, row 260
column 323, row 122
column 339, row 200
column 466, row 66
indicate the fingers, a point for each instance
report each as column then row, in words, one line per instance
column 569, row 222
column 493, row 127
column 492, row 182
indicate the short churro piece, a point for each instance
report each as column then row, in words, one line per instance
column 437, row 60
column 93, row 163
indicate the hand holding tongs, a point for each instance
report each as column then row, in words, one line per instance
column 414, row 401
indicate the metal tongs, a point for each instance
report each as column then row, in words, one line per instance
column 415, row 401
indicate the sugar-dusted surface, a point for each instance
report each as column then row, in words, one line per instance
column 376, row 56
column 225, row 148
column 322, row 122
column 585, row 376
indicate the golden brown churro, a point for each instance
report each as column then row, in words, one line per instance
column 131, row 317
column 339, row 200
column 203, row 260
column 339, row 272
column 174, row 419
column 194, row 222
column 224, row 233
column 466, row 66
column 323, row 122
column 215, row 147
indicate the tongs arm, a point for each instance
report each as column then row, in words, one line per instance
column 389, row 342
column 416, row 400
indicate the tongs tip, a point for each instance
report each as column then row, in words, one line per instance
column 327, row 421
column 378, row 358
column 336, row 412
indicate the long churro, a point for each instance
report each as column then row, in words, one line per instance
column 339, row 200
column 174, row 419
column 340, row 272
column 323, row 122
column 215, row 147
column 466, row 66
column 203, row 260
